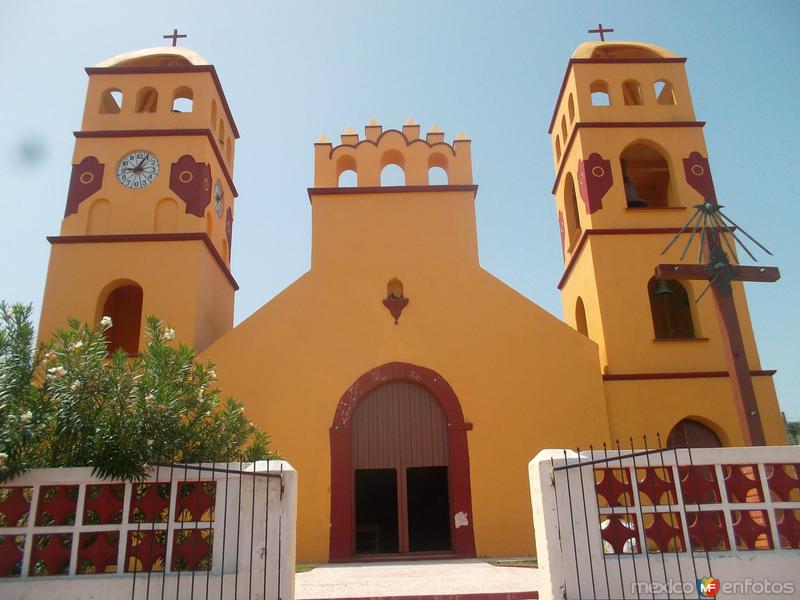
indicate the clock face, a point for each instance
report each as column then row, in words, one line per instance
column 218, row 195
column 137, row 169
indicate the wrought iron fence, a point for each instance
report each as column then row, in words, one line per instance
column 212, row 530
column 655, row 523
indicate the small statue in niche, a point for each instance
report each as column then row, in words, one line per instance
column 395, row 300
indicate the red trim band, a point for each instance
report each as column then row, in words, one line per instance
column 621, row 124
column 585, row 236
column 148, row 237
column 692, row 375
column 175, row 69
column 165, row 133
column 389, row 189
column 606, row 61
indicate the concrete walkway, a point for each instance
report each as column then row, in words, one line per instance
column 419, row 578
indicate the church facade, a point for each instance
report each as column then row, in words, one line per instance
column 407, row 385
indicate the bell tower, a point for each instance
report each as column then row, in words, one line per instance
column 148, row 222
column 631, row 162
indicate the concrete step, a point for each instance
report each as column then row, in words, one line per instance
column 418, row 580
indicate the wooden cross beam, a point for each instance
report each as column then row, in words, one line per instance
column 719, row 272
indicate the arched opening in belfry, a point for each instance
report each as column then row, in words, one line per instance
column 580, row 317
column 147, row 100
column 124, row 306
column 571, row 108
column 571, row 212
column 599, row 92
column 438, row 169
column 689, row 433
column 665, row 92
column 393, row 168
column 671, row 309
column 183, row 100
column 347, row 171
column 646, row 176
column 400, row 471
column 111, row 101
column 632, row 93
column 213, row 113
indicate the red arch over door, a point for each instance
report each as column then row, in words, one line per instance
column 342, row 539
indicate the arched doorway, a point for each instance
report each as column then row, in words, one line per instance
column 692, row 434
column 400, row 467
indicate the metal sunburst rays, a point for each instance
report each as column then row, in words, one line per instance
column 711, row 223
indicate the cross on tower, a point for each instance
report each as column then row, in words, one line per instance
column 601, row 31
column 720, row 272
column 174, row 36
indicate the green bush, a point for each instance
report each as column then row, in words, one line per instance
column 67, row 403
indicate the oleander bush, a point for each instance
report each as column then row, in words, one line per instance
column 68, row 403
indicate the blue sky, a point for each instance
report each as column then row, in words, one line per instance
column 293, row 70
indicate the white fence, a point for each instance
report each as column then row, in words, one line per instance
column 667, row 523
column 222, row 530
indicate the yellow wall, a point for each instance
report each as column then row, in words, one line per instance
column 505, row 358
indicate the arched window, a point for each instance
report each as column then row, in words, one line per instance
column 99, row 217
column 147, row 100
column 124, row 306
column 670, row 308
column 209, row 224
column 111, row 101
column 346, row 171
column 182, row 100
column 571, row 213
column 558, row 149
column 221, row 132
column 564, row 128
column 571, row 109
column 213, row 112
column 665, row 93
column 632, row 92
column 693, row 434
column 393, row 168
column 599, row 91
column 166, row 216
column 580, row 317
column 645, row 174
column 437, row 169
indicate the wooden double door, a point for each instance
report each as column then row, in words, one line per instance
column 400, row 461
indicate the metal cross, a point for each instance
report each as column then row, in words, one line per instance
column 174, row 36
column 720, row 271
column 601, row 31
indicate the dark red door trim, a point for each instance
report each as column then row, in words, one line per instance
column 342, row 540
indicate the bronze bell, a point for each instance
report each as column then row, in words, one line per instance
column 662, row 288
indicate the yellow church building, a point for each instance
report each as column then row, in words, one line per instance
column 407, row 385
